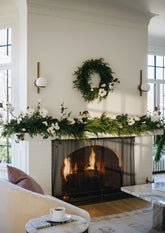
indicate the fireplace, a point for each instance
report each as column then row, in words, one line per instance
column 94, row 167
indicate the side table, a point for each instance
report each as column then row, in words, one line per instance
column 77, row 225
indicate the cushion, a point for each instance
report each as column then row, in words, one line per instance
column 20, row 178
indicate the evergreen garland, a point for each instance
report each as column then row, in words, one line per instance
column 37, row 122
column 83, row 79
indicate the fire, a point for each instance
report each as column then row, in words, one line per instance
column 68, row 168
column 92, row 161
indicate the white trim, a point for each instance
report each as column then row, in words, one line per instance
column 107, row 14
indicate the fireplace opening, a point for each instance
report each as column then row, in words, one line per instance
column 91, row 170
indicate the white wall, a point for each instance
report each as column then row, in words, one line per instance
column 62, row 39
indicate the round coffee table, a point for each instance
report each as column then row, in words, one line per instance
column 76, row 225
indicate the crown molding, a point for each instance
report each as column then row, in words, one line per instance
column 84, row 11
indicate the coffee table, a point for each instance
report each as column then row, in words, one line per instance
column 154, row 193
column 76, row 225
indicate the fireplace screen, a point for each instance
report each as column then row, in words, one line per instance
column 91, row 167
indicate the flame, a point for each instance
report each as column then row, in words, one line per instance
column 98, row 165
column 92, row 161
column 68, row 168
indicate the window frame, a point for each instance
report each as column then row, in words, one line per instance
column 157, row 83
column 7, row 66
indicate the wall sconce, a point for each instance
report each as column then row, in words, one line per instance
column 143, row 87
column 40, row 82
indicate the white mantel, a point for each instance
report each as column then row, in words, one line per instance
column 34, row 156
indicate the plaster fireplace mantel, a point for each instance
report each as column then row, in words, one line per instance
column 34, row 156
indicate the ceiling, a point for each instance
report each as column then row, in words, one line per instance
column 156, row 29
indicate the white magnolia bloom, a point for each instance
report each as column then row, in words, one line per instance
column 155, row 114
column 71, row 120
column 153, row 119
column 80, row 119
column 137, row 118
column 102, row 92
column 22, row 114
column 120, row 126
column 45, row 123
column 56, row 126
column 30, row 111
column 50, row 130
column 158, row 125
column 103, row 85
column 144, row 122
column 23, row 129
column 131, row 122
column 43, row 112
column 92, row 89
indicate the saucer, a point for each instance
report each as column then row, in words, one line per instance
column 67, row 218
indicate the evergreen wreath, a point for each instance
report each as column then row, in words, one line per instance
column 83, row 79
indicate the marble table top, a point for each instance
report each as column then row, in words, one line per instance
column 76, row 225
column 154, row 193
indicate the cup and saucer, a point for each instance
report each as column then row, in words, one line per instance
column 58, row 215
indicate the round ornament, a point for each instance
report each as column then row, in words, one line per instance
column 83, row 81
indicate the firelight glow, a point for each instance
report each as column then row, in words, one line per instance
column 67, row 167
column 92, row 161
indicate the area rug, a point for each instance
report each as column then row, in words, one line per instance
column 139, row 221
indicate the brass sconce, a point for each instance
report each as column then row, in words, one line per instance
column 40, row 82
column 143, row 87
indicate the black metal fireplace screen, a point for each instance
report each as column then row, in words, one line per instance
column 88, row 168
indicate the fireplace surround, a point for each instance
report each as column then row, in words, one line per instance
column 97, row 166
column 34, row 156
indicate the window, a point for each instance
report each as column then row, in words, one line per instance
column 156, row 79
column 5, row 88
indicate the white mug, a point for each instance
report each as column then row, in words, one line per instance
column 58, row 213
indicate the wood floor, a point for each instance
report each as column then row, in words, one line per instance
column 115, row 207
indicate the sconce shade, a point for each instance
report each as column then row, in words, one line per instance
column 41, row 82
column 145, row 87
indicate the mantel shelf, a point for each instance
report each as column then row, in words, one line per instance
column 92, row 136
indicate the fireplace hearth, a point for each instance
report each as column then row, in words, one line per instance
column 95, row 168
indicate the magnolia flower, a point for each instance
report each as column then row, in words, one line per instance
column 131, row 122
column 71, row 120
column 143, row 122
column 153, row 119
column 103, row 85
column 50, row 130
column 18, row 121
column 158, row 125
column 22, row 114
column 120, row 126
column 43, row 112
column 137, row 118
column 155, row 114
column 23, row 129
column 80, row 119
column 56, row 126
column 30, row 111
column 45, row 123
column 102, row 92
